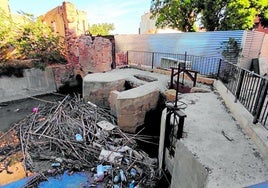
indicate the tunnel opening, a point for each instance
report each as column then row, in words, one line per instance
column 129, row 85
column 72, row 86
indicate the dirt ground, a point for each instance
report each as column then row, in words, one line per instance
column 10, row 113
column 13, row 111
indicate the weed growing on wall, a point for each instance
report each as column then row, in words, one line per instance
column 25, row 37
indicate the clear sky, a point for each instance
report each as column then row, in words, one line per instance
column 124, row 14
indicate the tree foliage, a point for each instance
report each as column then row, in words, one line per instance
column 176, row 14
column 29, row 38
column 214, row 14
column 101, row 29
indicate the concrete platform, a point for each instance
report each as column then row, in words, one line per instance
column 217, row 139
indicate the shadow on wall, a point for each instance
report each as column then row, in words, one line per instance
column 72, row 86
column 151, row 127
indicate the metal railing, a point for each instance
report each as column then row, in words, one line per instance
column 204, row 65
column 250, row 89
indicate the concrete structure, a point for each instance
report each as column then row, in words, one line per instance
column 4, row 5
column 188, row 171
column 34, row 82
column 129, row 93
column 147, row 26
column 220, row 145
column 263, row 59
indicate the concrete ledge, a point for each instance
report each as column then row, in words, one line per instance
column 255, row 131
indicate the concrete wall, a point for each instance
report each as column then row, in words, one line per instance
column 187, row 171
column 98, row 92
column 34, row 82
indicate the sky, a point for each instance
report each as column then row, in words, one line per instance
column 124, row 14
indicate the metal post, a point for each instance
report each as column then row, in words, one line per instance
column 177, row 85
column 127, row 58
column 153, row 60
column 239, row 84
column 263, row 93
column 219, row 69
column 181, row 124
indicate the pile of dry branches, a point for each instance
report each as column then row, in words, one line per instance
column 77, row 136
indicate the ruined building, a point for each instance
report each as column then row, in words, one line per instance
column 84, row 53
column 66, row 20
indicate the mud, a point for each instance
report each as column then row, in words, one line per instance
column 13, row 111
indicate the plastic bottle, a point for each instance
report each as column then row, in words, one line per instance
column 78, row 137
column 122, row 176
column 116, row 179
column 133, row 172
column 100, row 172
column 132, row 184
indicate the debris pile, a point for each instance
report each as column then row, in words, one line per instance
column 77, row 136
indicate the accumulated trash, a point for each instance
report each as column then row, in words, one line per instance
column 75, row 136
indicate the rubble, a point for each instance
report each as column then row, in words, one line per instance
column 76, row 136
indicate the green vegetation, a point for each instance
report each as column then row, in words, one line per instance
column 28, row 38
column 231, row 50
column 176, row 14
column 101, row 29
column 213, row 14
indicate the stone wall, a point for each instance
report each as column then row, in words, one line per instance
column 62, row 74
column 121, row 59
column 84, row 53
column 92, row 55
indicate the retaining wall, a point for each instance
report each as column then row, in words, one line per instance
column 34, row 82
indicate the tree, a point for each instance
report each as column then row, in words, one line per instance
column 6, row 35
column 215, row 14
column 29, row 38
column 176, row 14
column 212, row 11
column 101, row 29
column 35, row 40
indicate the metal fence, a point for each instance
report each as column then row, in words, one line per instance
column 204, row 65
column 250, row 89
